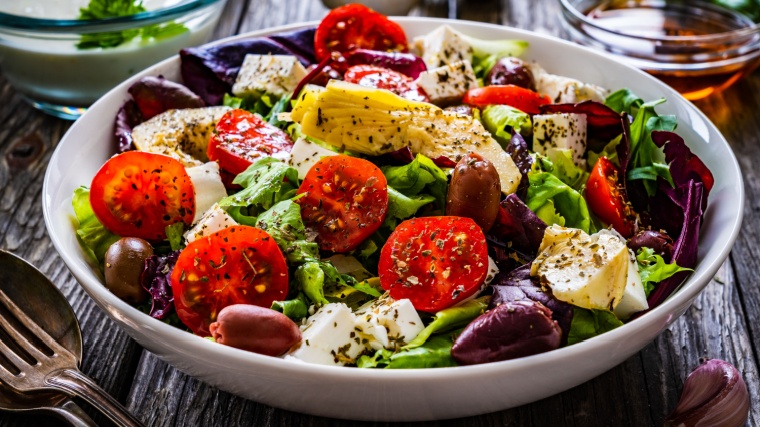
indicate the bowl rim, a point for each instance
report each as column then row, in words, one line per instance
column 200, row 346
column 696, row 39
column 30, row 24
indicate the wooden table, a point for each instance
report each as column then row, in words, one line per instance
column 721, row 324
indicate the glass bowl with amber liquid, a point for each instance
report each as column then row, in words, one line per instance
column 697, row 48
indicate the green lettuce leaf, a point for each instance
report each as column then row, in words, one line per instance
column 265, row 183
column 590, row 323
column 609, row 151
column 624, row 101
column 295, row 309
column 645, row 155
column 284, row 223
column 559, row 162
column 91, row 234
column 401, row 207
column 653, row 269
column 451, row 318
column 435, row 353
column 565, row 202
column 419, row 176
column 312, row 281
column 174, row 235
column 502, row 120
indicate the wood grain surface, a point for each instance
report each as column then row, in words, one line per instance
column 722, row 323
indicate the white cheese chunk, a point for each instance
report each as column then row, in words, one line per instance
column 388, row 323
column 329, row 337
column 565, row 90
column 587, row 271
column 275, row 74
column 443, row 46
column 208, row 187
column 448, row 84
column 562, row 131
column 493, row 270
column 634, row 298
column 181, row 134
column 305, row 154
column 213, row 220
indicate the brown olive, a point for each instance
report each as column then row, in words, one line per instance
column 508, row 331
column 125, row 261
column 257, row 329
column 475, row 191
column 511, row 71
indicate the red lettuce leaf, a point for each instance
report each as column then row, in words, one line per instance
column 210, row 71
column 602, row 121
column 154, row 95
column 405, row 63
column 127, row 118
column 518, row 285
column 404, row 156
column 156, row 279
column 517, row 224
column 684, row 165
column 518, row 150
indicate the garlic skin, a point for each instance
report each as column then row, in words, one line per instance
column 714, row 394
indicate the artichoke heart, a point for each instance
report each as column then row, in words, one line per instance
column 375, row 121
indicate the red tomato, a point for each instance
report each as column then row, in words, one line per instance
column 241, row 138
column 138, row 194
column 606, row 199
column 523, row 99
column 434, row 261
column 237, row 265
column 355, row 26
column 384, row 78
column 345, row 200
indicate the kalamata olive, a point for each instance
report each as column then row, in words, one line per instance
column 474, row 191
column 511, row 71
column 462, row 110
column 657, row 240
column 257, row 329
column 124, row 263
column 508, row 331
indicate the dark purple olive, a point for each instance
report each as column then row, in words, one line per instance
column 124, row 263
column 657, row 240
column 462, row 110
column 257, row 329
column 511, row 71
column 475, row 191
column 508, row 331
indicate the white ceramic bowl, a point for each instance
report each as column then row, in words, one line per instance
column 404, row 394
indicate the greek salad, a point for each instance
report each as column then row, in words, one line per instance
column 342, row 195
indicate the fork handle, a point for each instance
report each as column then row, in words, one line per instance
column 74, row 382
column 73, row 414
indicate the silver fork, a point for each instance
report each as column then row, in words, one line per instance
column 55, row 369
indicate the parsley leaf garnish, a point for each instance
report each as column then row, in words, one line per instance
column 103, row 9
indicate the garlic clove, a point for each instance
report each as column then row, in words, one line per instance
column 714, row 394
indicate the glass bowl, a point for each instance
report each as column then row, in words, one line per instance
column 61, row 66
column 696, row 47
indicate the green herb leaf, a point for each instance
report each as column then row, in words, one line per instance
column 653, row 269
column 590, row 323
column 265, row 183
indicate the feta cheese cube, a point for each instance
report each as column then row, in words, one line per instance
column 208, row 187
column 213, row 220
column 587, row 271
column 388, row 322
column 329, row 337
column 564, row 90
column 443, row 46
column 305, row 154
column 275, row 74
column 562, row 131
column 634, row 298
column 448, row 84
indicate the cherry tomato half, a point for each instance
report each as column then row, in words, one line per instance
column 355, row 26
column 434, row 261
column 241, row 138
column 606, row 199
column 138, row 194
column 236, row 265
column 345, row 200
column 523, row 99
column 384, row 78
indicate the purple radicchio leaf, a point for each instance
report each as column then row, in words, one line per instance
column 518, row 150
column 405, row 63
column 517, row 224
column 404, row 156
column 210, row 71
column 156, row 279
column 127, row 118
column 603, row 122
column 518, row 285
column 684, row 165
column 154, row 95
column 688, row 198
